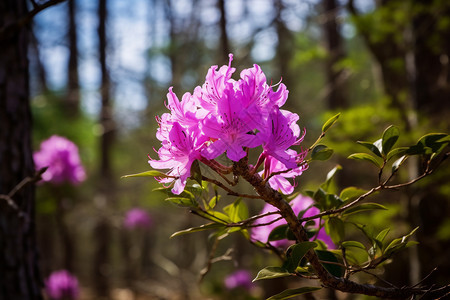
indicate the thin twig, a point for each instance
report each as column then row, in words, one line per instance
column 24, row 21
column 425, row 278
column 228, row 190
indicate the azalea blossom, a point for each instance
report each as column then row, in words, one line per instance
column 298, row 204
column 279, row 182
column 210, row 94
column 62, row 285
column 62, row 160
column 227, row 116
column 229, row 129
column 137, row 218
column 239, row 279
column 277, row 137
column 177, row 154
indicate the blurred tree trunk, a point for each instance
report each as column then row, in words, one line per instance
column 35, row 54
column 285, row 44
column 19, row 273
column 389, row 55
column 430, row 83
column 102, row 231
column 73, row 86
column 174, row 53
column 431, row 40
column 224, row 42
column 414, row 58
column 333, row 42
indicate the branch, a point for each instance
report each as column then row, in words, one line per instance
column 10, row 29
column 9, row 198
column 274, row 198
column 228, row 190
column 365, row 195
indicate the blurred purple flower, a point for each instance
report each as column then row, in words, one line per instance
column 239, row 278
column 137, row 218
column 62, row 285
column 61, row 157
column 298, row 204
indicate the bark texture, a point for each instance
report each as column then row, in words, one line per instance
column 19, row 271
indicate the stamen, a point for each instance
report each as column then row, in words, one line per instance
column 281, row 79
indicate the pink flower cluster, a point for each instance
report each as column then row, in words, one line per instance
column 228, row 116
column 298, row 204
column 62, row 285
column 61, row 157
column 239, row 279
column 137, row 218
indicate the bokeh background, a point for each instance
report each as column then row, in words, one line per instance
column 99, row 74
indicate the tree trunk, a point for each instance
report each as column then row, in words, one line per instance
column 19, row 271
column 73, row 87
column 102, row 232
column 333, row 42
column 285, row 45
column 224, row 44
column 431, row 59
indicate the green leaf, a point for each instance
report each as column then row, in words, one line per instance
column 428, row 144
column 328, row 256
column 351, row 193
column 295, row 253
column 237, row 211
column 399, row 243
column 218, row 216
column 379, row 145
column 213, row 202
column 151, row 173
column 371, row 147
column 278, row 233
column 197, row 229
column 290, row 293
column 382, row 235
column 433, row 140
column 271, row 272
column 363, row 207
column 330, row 122
column 181, row 201
column 390, row 137
column 196, row 173
column 366, row 157
column 354, row 244
column 398, row 163
column 320, row 196
column 321, row 152
column 330, row 176
column 332, row 201
column 335, row 229
column 396, row 151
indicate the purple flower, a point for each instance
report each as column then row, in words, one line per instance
column 177, row 154
column 298, row 204
column 137, row 218
column 239, row 279
column 229, row 129
column 62, row 285
column 227, row 116
column 62, row 159
column 258, row 98
column 212, row 91
column 279, row 182
column 278, row 136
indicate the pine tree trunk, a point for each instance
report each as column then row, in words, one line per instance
column 19, row 274
column 333, row 41
column 73, row 88
column 102, row 231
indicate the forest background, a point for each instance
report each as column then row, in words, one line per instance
column 98, row 75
